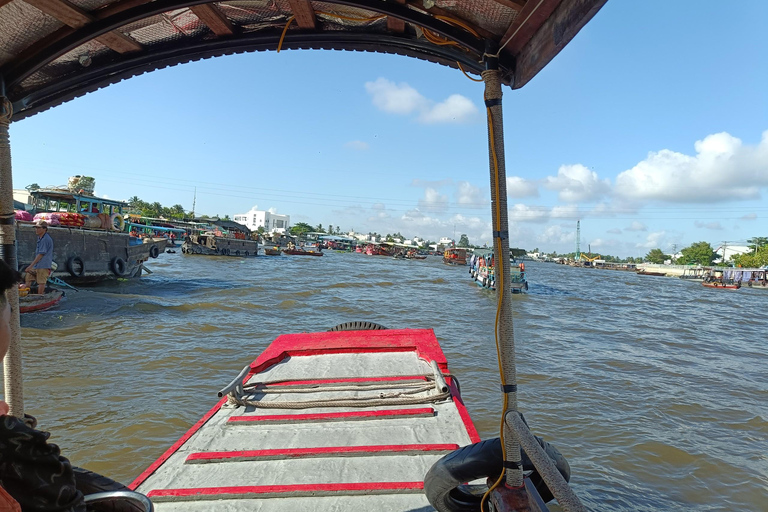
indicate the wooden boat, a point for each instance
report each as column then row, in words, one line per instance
column 215, row 244
column 343, row 420
column 720, row 285
column 301, row 252
column 272, row 251
column 35, row 302
column 645, row 273
column 455, row 257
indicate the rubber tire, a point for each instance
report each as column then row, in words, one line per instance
column 89, row 482
column 154, row 252
column 526, row 286
column 358, row 326
column 246, row 254
column 71, row 262
column 443, row 484
column 237, row 252
column 118, row 266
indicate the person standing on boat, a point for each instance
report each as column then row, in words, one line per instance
column 32, row 471
column 40, row 268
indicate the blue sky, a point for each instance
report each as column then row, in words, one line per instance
column 649, row 127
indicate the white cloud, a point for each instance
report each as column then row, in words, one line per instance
column 395, row 99
column 525, row 213
column 636, row 226
column 357, row 145
column 654, row 240
column 723, row 169
column 565, row 212
column 518, row 187
column 749, row 216
column 557, row 235
column 576, row 183
column 470, row 195
column 402, row 99
column 455, row 109
column 433, row 200
column 714, row 226
column 614, row 231
column 272, row 210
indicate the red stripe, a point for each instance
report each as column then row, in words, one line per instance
column 329, row 451
column 262, row 491
column 334, row 416
column 463, row 413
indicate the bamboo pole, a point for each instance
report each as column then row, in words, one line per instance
column 13, row 387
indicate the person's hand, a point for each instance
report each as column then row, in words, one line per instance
column 4, row 408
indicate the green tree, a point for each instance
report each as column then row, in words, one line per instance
column 33, row 186
column 320, row 229
column 301, row 229
column 656, row 256
column 756, row 243
column 700, row 253
column 389, row 238
column 463, row 240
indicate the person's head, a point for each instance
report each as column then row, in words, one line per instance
column 8, row 279
column 41, row 227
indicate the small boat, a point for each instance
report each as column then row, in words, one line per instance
column 36, row 302
column 214, row 243
column 481, row 269
column 301, row 252
column 721, row 285
column 646, row 273
column 455, row 257
column 272, row 251
column 339, row 420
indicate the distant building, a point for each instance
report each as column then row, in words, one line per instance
column 730, row 251
column 271, row 222
column 447, row 242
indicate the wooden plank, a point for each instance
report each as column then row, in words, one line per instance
column 214, row 19
column 513, row 4
column 486, row 34
column 558, row 30
column 378, row 414
column 396, row 24
column 74, row 17
column 304, row 13
column 527, row 22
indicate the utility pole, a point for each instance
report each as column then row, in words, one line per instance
column 194, row 201
column 725, row 244
column 578, row 240
column 674, row 251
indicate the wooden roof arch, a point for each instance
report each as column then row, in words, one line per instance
column 52, row 51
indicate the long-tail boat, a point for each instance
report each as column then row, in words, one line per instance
column 61, row 50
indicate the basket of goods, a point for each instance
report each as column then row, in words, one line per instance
column 51, row 218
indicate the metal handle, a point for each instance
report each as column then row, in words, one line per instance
column 237, row 383
column 121, row 495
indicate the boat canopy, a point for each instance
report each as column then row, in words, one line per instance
column 155, row 228
column 52, row 51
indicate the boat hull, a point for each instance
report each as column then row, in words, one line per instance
column 372, row 456
column 33, row 302
column 721, row 286
column 298, row 252
column 222, row 247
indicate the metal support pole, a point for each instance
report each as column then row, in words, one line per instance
column 13, row 388
column 505, row 331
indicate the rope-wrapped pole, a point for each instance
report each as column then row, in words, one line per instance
column 505, row 331
column 13, row 387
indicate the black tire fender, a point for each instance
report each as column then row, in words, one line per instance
column 358, row 326
column 444, row 482
column 154, row 251
column 237, row 252
column 246, row 254
column 76, row 266
column 118, row 266
column 89, row 482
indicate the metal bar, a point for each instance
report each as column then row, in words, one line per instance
column 237, row 383
column 440, row 384
column 565, row 496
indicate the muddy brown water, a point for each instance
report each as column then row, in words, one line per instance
column 655, row 389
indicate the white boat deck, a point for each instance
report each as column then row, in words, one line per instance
column 335, row 457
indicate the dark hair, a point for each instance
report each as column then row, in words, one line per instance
column 8, row 279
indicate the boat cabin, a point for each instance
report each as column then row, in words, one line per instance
column 64, row 201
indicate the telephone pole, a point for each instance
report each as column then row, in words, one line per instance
column 578, row 240
column 194, row 201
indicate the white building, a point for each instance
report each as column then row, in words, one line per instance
column 271, row 222
column 447, row 242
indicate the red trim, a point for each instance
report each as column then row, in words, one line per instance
column 328, row 451
column 262, row 491
column 334, row 416
column 463, row 413
column 421, row 341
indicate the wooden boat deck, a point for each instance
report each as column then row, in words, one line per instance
column 375, row 457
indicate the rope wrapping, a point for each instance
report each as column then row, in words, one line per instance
column 12, row 376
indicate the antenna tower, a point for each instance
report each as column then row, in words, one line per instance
column 194, row 201
column 578, row 239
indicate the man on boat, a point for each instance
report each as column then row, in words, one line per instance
column 32, row 471
column 40, row 268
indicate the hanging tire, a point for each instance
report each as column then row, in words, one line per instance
column 154, row 251
column 89, row 482
column 246, row 254
column 237, row 252
column 444, row 482
column 118, row 266
column 358, row 326
column 76, row 266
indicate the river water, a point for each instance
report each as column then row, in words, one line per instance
column 655, row 389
